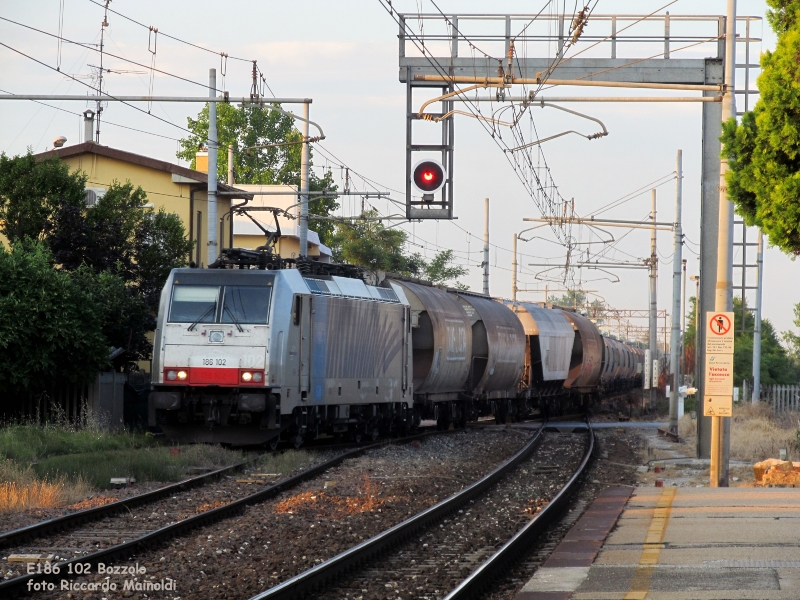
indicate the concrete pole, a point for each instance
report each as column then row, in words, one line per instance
column 230, row 164
column 757, row 325
column 514, row 272
column 303, row 228
column 212, row 168
column 653, row 329
column 486, row 247
column 723, row 300
column 677, row 262
column 683, row 321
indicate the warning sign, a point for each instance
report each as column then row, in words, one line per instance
column 719, row 333
column 717, row 406
column 719, row 375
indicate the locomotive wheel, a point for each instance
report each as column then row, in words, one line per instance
column 374, row 434
column 297, row 441
column 357, row 436
column 273, row 442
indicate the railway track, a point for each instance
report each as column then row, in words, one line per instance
column 118, row 540
column 422, row 558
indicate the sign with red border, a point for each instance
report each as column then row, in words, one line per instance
column 719, row 333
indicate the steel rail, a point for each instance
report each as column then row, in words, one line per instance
column 17, row 586
column 485, row 575
column 316, row 577
column 16, row 536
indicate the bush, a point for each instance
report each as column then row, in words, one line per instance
column 50, row 326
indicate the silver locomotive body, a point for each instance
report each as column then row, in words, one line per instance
column 249, row 356
column 242, row 356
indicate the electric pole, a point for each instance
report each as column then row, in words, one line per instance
column 212, row 167
column 303, row 233
column 723, row 302
column 653, row 330
column 486, row 247
column 677, row 260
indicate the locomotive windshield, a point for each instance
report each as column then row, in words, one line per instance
column 194, row 303
column 245, row 304
column 240, row 304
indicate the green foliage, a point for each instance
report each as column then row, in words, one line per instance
column 572, row 298
column 764, row 150
column 251, row 125
column 792, row 340
column 120, row 235
column 369, row 244
column 441, row 271
column 50, row 325
column 31, row 192
column 776, row 365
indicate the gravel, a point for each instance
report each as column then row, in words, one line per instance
column 618, row 453
column 275, row 540
column 434, row 563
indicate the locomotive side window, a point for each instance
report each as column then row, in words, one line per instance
column 194, row 303
column 246, row 304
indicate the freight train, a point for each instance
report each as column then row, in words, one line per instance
column 255, row 352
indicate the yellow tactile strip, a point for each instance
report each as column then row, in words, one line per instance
column 653, row 543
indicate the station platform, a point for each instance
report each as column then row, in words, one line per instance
column 678, row 543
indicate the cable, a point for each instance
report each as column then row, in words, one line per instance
column 203, row 85
column 169, row 36
column 106, row 122
column 90, row 87
column 496, row 137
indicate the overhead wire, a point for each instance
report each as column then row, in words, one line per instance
column 82, row 45
column 91, row 87
column 172, row 37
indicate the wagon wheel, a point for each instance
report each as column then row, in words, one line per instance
column 273, row 442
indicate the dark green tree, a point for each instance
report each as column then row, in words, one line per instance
column 792, row 340
column 32, row 192
column 251, row 125
column 441, row 270
column 776, row 365
column 368, row 243
column 119, row 234
column 51, row 327
column 572, row 299
column 764, row 150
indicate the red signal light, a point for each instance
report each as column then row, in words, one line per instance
column 429, row 176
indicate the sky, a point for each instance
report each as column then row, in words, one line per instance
column 344, row 55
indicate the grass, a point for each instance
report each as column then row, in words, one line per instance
column 143, row 464
column 757, row 433
column 57, row 464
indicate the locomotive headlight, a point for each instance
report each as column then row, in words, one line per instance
column 247, row 376
column 172, row 375
column 182, row 375
column 257, row 377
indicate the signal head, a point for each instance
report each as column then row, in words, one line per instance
column 428, row 176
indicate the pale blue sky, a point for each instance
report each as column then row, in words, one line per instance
column 344, row 56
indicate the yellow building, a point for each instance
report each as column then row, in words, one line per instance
column 177, row 189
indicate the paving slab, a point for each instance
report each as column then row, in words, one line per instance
column 679, row 543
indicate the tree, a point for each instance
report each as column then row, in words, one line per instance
column 120, row 235
column 31, row 192
column 441, row 271
column 51, row 328
column 572, row 299
column 792, row 340
column 367, row 243
column 764, row 150
column 252, row 125
column 776, row 365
